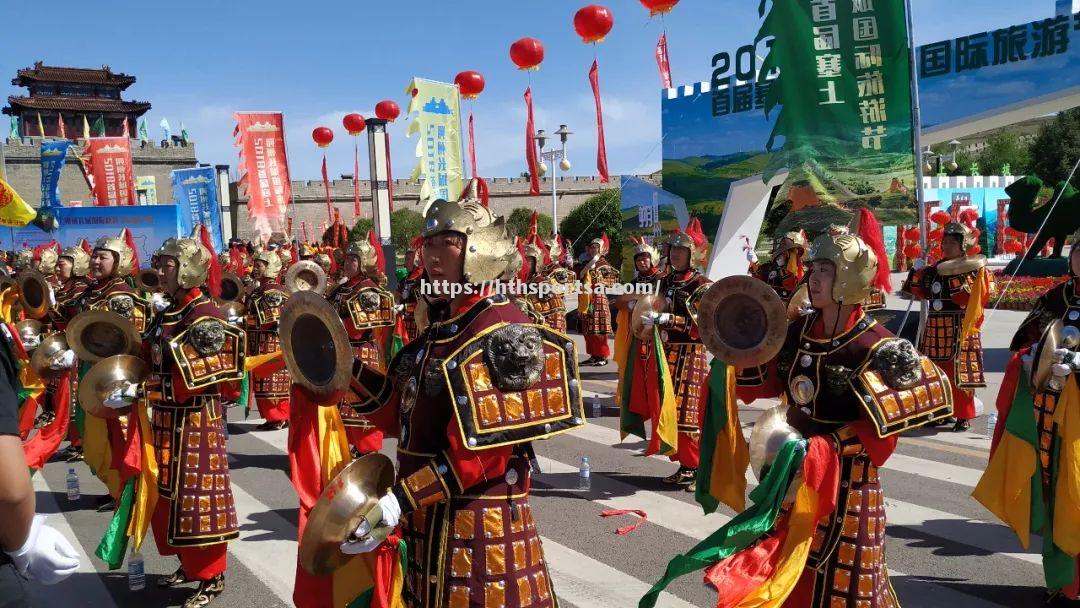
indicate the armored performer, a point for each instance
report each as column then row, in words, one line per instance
column 849, row 381
column 958, row 288
column 785, row 270
column 196, row 359
column 1033, row 435
column 364, row 307
column 409, row 287
column 264, row 302
column 682, row 288
column 596, row 275
column 543, row 301
column 562, row 279
column 466, row 398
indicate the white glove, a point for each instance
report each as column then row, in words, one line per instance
column 391, row 514
column 122, row 397
column 919, row 264
column 52, row 298
column 1027, row 360
column 751, row 256
column 63, row 360
column 1061, row 370
column 399, row 307
column 31, row 341
column 656, row 318
column 631, row 304
column 1068, row 357
column 159, row 302
column 235, row 320
column 46, row 556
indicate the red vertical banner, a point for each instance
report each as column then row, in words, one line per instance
column 530, row 145
column 264, row 169
column 472, row 145
column 110, row 165
column 662, row 61
column 601, row 147
column 356, row 182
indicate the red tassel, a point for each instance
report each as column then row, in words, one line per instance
column 130, row 241
column 294, row 252
column 380, row 261
column 303, row 230
column 601, row 148
column 870, row 232
column 626, row 529
column 482, row 191
column 530, row 145
column 213, row 279
column 544, row 250
column 607, row 243
column 532, row 233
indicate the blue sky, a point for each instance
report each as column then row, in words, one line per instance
column 321, row 59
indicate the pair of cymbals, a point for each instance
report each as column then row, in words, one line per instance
column 42, row 357
column 305, row 275
column 98, row 334
column 104, row 378
column 742, row 321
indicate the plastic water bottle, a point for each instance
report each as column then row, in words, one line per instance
column 595, row 409
column 136, row 575
column 584, row 481
column 991, row 423
column 73, row 485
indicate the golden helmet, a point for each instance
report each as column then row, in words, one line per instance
column 323, row 260
column 284, row 256
column 125, row 256
column 364, row 250
column 489, row 250
column 47, row 262
column 555, row 248
column 967, row 235
column 856, row 265
column 193, row 259
column 272, row 261
column 532, row 250
column 224, row 259
column 602, row 243
column 80, row 260
column 641, row 246
column 798, row 240
column 24, row 259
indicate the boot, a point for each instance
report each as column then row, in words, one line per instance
column 207, row 591
column 174, row 579
column 961, row 426
column 683, row 475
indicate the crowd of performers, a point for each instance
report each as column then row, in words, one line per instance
column 466, row 384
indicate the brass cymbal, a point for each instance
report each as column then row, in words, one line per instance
column 28, row 326
column 105, row 377
column 41, row 358
column 232, row 288
column 351, row 496
column 1044, row 355
column 305, row 275
column 742, row 321
column 232, row 309
column 148, row 279
column 961, row 265
column 97, row 334
column 315, row 346
column 799, row 300
column 645, row 305
column 35, row 293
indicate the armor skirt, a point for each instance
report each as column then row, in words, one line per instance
column 689, row 373
column 368, row 354
column 276, row 385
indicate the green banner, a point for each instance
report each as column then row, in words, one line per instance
column 844, row 99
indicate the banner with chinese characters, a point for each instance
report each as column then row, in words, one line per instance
column 150, row 226
column 264, row 170
column 195, row 193
column 110, row 165
column 53, row 155
column 439, row 147
column 146, row 189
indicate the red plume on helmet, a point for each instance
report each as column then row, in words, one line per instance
column 380, row 261
column 213, row 278
column 607, row 243
column 696, row 234
column 416, row 247
column 523, row 272
column 532, row 233
column 130, row 241
column 542, row 246
column 869, row 230
column 45, row 247
column 87, row 247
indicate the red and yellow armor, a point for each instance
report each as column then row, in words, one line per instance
column 597, row 320
column 261, row 324
column 117, row 296
column 409, row 291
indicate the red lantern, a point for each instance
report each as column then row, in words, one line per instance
column 659, row 7
column 322, row 136
column 387, row 110
column 593, row 22
column 937, row 234
column 1013, row 246
column 527, row 54
column 940, row 217
column 936, row 252
column 470, row 83
column 912, row 251
column 969, row 216
column 911, row 234
column 354, row 123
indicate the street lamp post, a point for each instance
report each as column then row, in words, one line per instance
column 555, row 156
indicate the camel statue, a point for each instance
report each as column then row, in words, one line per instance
column 1026, row 217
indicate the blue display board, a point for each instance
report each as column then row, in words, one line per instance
column 150, row 226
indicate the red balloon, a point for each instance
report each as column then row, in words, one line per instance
column 322, row 136
column 911, row 234
column 658, row 7
column 912, row 251
column 354, row 123
column 593, row 22
column 470, row 83
column 937, row 234
column 527, row 53
column 387, row 110
column 940, row 217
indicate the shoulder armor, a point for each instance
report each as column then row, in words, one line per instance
column 901, row 389
column 122, row 304
column 209, row 351
column 267, row 307
column 371, row 307
column 514, row 383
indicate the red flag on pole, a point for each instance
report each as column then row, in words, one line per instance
column 356, row 182
column 60, row 125
column 326, row 186
column 601, row 148
column 127, row 133
column 472, row 145
column 662, row 61
column 530, row 145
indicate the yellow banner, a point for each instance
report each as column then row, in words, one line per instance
column 438, row 150
column 13, row 209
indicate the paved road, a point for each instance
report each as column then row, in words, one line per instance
column 944, row 550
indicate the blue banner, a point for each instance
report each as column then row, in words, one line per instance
column 53, row 155
column 150, row 226
column 195, row 193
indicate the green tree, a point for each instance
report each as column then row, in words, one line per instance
column 518, row 222
column 1005, row 147
column 600, row 214
column 405, row 225
column 1058, row 146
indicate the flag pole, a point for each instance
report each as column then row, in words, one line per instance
column 916, row 126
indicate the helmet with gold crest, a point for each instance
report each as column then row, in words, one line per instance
column 968, row 238
column 123, row 249
column 643, row 247
column 692, row 239
column 488, row 249
column 46, row 256
column 859, row 258
column 272, row 259
column 79, row 258
column 369, row 253
column 195, row 258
